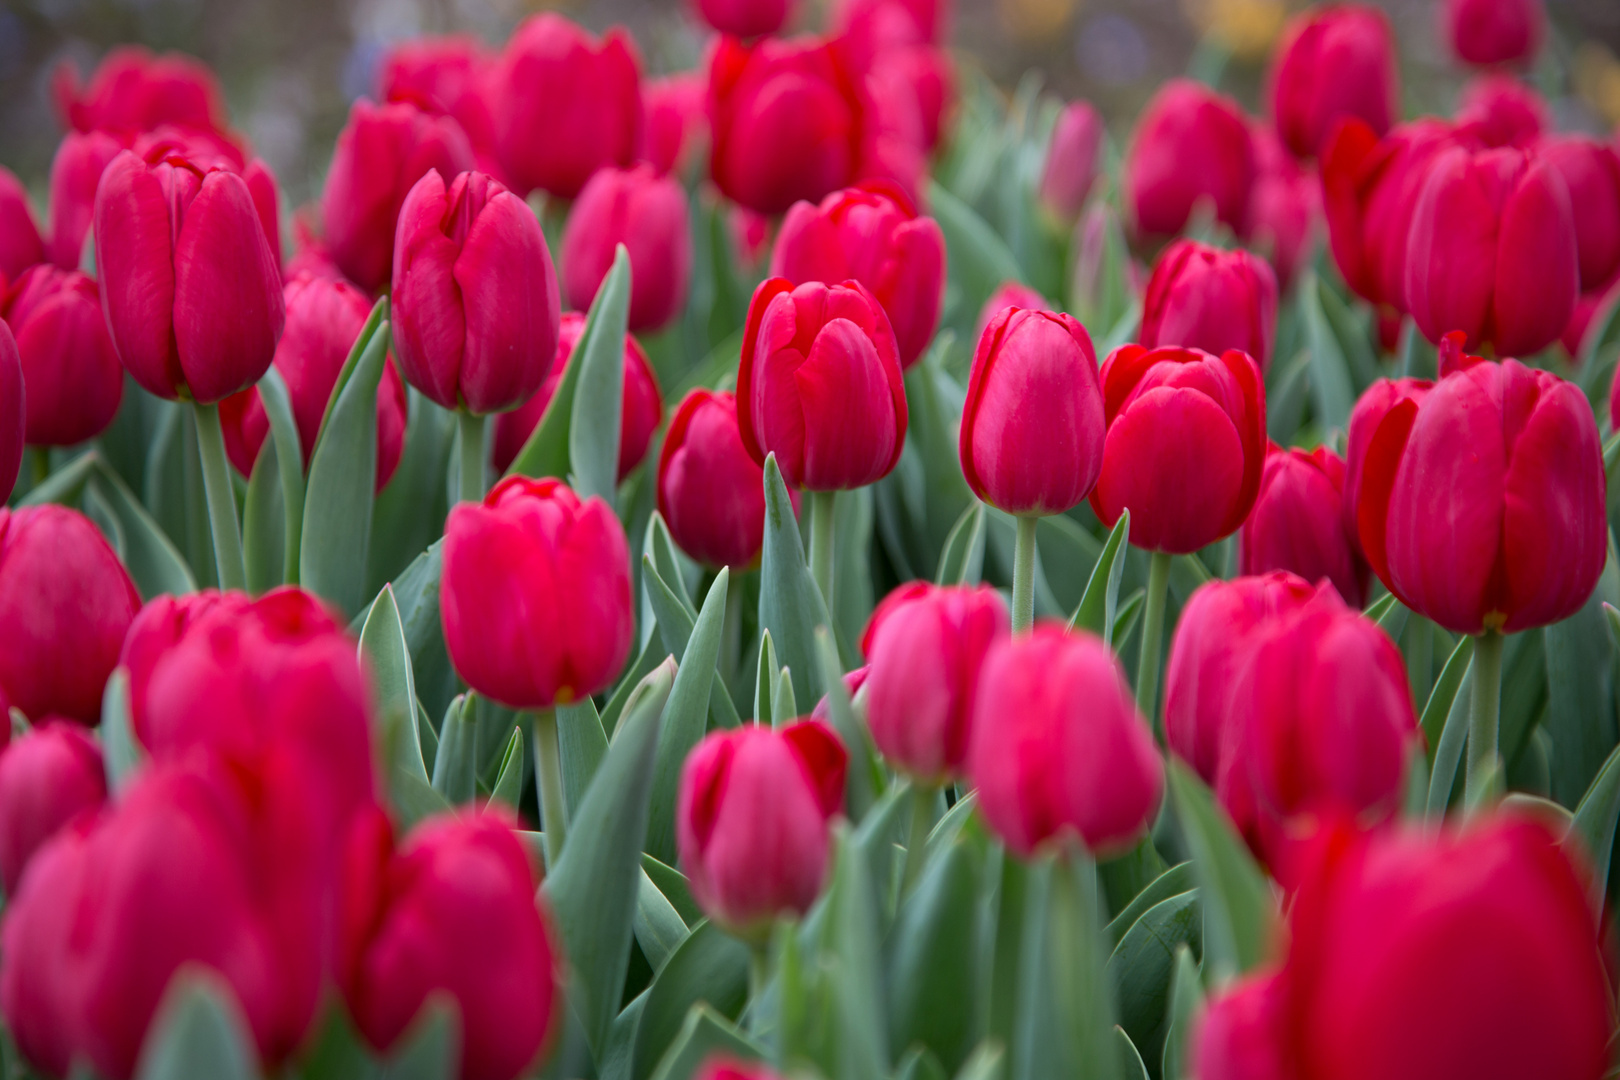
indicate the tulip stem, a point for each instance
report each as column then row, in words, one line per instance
column 40, row 456
column 922, row 823
column 759, row 973
column 1023, row 598
column 548, row 775
column 1485, row 715
column 1147, row 664
column 221, row 496
column 472, row 463
column 822, row 507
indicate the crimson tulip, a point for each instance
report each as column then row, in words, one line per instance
column 1369, row 411
column 673, row 109
column 13, row 412
column 1009, row 294
column 75, row 173
column 723, row 1068
column 1299, row 523
column 1591, row 173
column 1285, row 208
column 158, row 627
column 925, row 21
column 448, row 75
column 134, row 90
column 743, row 18
column 47, row 778
column 20, row 244
column 1499, row 110
column 646, row 212
column 1206, row 298
column 710, row 491
column 1488, row 32
column 69, row 364
column 1072, row 159
column 1190, row 144
column 1334, row 61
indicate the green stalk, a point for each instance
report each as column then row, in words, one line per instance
column 40, row 457
column 822, row 504
column 221, row 499
column 1147, row 664
column 1023, row 596
column 759, row 973
column 472, row 463
column 1484, row 718
column 548, row 775
column 922, row 821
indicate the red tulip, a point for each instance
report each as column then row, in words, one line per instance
column 65, row 602
column 743, row 18
column 752, row 821
column 20, row 245
column 1334, row 61
column 925, row 646
column 47, row 778
column 1072, row 158
column 1591, row 173
column 1032, row 427
column 1009, row 294
column 69, row 364
column 452, row 911
column 381, row 154
column 158, row 627
column 1487, row 32
column 646, row 212
column 1185, row 447
column 820, row 385
column 1499, row 110
column 448, row 75
column 853, row 681
column 535, row 596
column 1190, row 144
column 641, row 412
column 723, row 1068
column 134, row 90
column 475, row 304
column 1285, row 208
column 1299, row 523
column 209, row 150
column 13, row 413
column 189, row 281
column 750, row 236
column 1482, row 505
column 710, row 492
column 922, row 80
column 674, row 120
column 1058, row 746
column 872, row 234
column 566, row 104
column 75, row 174
column 1206, row 298
column 922, row 21
column 1369, row 412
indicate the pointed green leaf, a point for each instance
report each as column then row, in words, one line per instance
column 1143, row 967
column 455, row 772
column 65, row 484
column 593, row 430
column 1453, row 737
column 1445, row 693
column 123, row 755
column 790, row 605
column 1595, row 820
column 1380, row 608
column 988, row 1062
column 153, row 562
column 583, row 745
column 784, row 707
column 508, row 789
column 382, row 644
column 1130, row 1057
column 264, row 528
column 199, row 1031
column 765, row 680
column 708, row 966
column 1173, row 882
column 860, row 789
column 1100, row 603
column 704, row 1035
column 659, row 928
column 277, row 403
column 673, row 884
column 961, row 561
column 933, row 968
column 1186, row 995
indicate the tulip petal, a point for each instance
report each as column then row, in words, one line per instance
column 1537, row 265
column 135, row 258
column 1451, row 255
column 508, row 293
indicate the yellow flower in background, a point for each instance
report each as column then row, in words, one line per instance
column 1248, row 28
column 1597, row 80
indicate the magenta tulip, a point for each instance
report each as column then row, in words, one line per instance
column 134, row 90
column 20, row 244
column 75, row 174
column 711, row 493
column 1591, row 173
column 1285, row 208
column 1190, row 144
column 1299, row 523
column 646, row 212
column 158, row 627
column 1009, row 294
column 743, row 18
column 13, row 412
column 448, row 75
column 1488, row 32
column 1205, row 298
column 1369, row 411
column 1499, row 110
column 1334, row 61
column 74, row 380
column 674, row 120
column 47, row 778
column 1072, row 160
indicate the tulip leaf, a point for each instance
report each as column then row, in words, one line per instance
column 508, row 789
column 1444, row 694
column 199, row 1030
column 878, row 836
column 661, row 546
column 659, row 928
column 919, row 1064
column 652, row 654
column 592, row 888
column 1130, row 613
column 383, row 645
column 1186, row 996
column 1580, row 711
column 705, row 1034
column 862, row 777
column 430, row 1049
column 1380, row 608
column 455, row 773
column 409, row 513
column 153, row 562
column 1604, row 329
column 1285, row 397
column 852, row 947
column 934, row 964
column 676, row 628
column 1453, row 737
column 1143, row 967
column 784, row 707
column 264, row 537
column 1611, row 458
column 1100, row 602
column 120, row 750
column 708, row 966
column 546, row 453
column 1354, row 340
column 65, row 485
column 987, row 1062
column 1239, row 912
column 593, row 429
column 1007, row 889
column 1595, row 820
column 1132, row 1066
column 673, row 884
column 584, row 746
column 764, row 679
column 1173, row 882
column 950, row 825
column 978, row 259
column 790, row 605
column 1330, row 376
column 277, row 401
column 961, row 561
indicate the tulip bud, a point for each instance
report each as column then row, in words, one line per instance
column 1334, row 61
column 853, row 681
column 324, row 317
column 453, row 911
column 752, row 821
column 641, row 413
column 710, row 492
column 189, row 282
column 381, row 154
column 1482, row 505
column 1185, row 447
column 922, row 21
column 1190, row 144
column 65, row 602
column 646, row 212
column 872, row 234
column 1072, row 158
column 566, row 104
column 1032, row 426
column 819, row 385
column 1499, row 110
column 1299, row 524
column 925, row 646
column 1591, row 173
column 475, row 304
column 1370, row 410
column 75, row 173
column 447, row 75
column 47, row 778
column 743, row 18
column 69, row 364
column 722, row 1068
column 134, row 90
column 535, row 595
column 674, row 120
column 1486, row 32
column 1009, row 294
column 1285, row 208
column 1058, row 747
column 20, row 245
column 13, row 413
column 157, row 628
column 1206, row 298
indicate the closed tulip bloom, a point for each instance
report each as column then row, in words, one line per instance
column 1591, row 173
column 924, row 647
column 711, row 493
column 1499, row 110
column 820, row 386
column 1285, row 208
column 566, row 104
column 1335, row 61
column 535, row 596
column 924, row 21
column 381, row 153
column 1206, row 298
column 452, row 911
column 1486, row 32
column 69, row 364
column 475, row 304
column 47, row 778
column 1369, row 411
column 76, row 171
column 13, row 413
column 871, row 233
column 1482, row 506
column 1058, row 747
column 722, row 1068
column 1009, row 294
column 448, row 75
column 1299, row 524
column 646, row 212
column 743, row 18
column 134, row 90
column 65, row 602
column 674, row 120
column 1032, row 426
column 1072, row 158
column 157, row 628
column 20, row 244
column 752, row 821
column 189, row 282
column 1185, row 447
column 1190, row 144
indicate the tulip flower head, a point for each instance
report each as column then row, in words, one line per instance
column 20, row 244
column 1334, row 61
column 1072, row 158
column 711, row 493
column 13, row 412
column 74, row 379
column 1485, row 32
column 646, row 212
column 48, row 778
column 1591, row 173
column 1299, row 523
column 1187, row 124
column 1206, row 298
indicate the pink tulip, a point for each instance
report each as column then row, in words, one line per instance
column 134, row 90
column 74, row 379
column 1072, row 158
column 158, row 627
column 1591, row 173
column 447, row 75
column 13, row 412
column 743, row 18
column 646, row 212
column 1499, row 110
column 47, row 778
column 675, row 120
column 1285, row 208
column 1009, row 294
column 75, row 174
column 1190, row 144
column 1206, row 298
column 1299, row 523
column 20, row 245
column 1488, row 32
column 1334, row 61
column 710, row 492
column 1370, row 410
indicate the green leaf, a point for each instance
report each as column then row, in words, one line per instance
column 1580, row 707
column 65, row 485
column 676, row 625
column 852, row 946
column 708, row 966
column 1330, row 375
column 1008, row 890
column 934, row 964
column 652, row 654
column 416, row 594
column 1186, row 995
column 583, row 745
column 1285, row 397
column 455, row 770
column 1130, row 613
column 199, row 1031
column 1173, row 882
column 790, row 605
column 409, row 513
column 765, row 673
column 152, row 560
column 1357, row 348
column 264, row 527
column 988, row 1062
column 122, row 753
column 1453, row 737
column 860, row 788
column 382, row 644
column 277, row 403
column 705, row 1034
column 977, row 258
column 919, row 1064
column 1595, row 820
column 1445, row 693
column 961, row 561
column 658, row 927
column 431, row 1048
column 1380, row 608
column 1100, row 602
column 1130, row 1058
column 676, row 889
column 784, row 707
column 593, row 429
column 508, row 787
column 1143, row 967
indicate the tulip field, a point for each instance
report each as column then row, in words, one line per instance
column 818, row 565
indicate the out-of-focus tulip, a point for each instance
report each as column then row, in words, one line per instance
column 1009, row 294
column 853, row 681
column 1190, row 144
column 1299, row 524
column 646, row 212
column 69, row 364
column 872, row 234
column 324, row 317
column 189, row 282
column 1499, row 110
column 1382, row 974
column 928, row 77
column 535, row 596
column 1586, row 310
column 1185, row 447
column 13, row 413
column 1072, row 158
column 1488, row 32
column 1032, row 425
column 924, row 648
column 640, row 414
column 925, row 21
column 674, row 120
column 1370, row 410
column 1482, row 505
column 1058, row 747
column 1591, row 173
column 1206, row 298
column 1336, row 60
column 75, row 174
column 566, row 103
column 452, row 911
column 20, row 244
column 1285, row 208
column 723, row 1068
column 820, row 386
column 158, row 627
column 752, row 821
column 47, row 778
column 134, row 90
column 475, row 304
column 710, row 492
column 448, row 75
column 65, row 603
column 743, row 18
column 381, row 154
column 897, row 45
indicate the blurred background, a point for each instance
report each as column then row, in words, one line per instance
column 291, row 67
